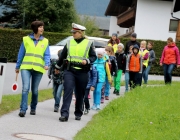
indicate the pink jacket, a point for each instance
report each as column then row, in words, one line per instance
column 170, row 55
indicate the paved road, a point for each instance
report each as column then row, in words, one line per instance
column 45, row 122
column 10, row 78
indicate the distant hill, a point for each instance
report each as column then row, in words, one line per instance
column 91, row 7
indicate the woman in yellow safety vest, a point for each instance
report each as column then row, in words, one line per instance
column 33, row 60
column 114, row 41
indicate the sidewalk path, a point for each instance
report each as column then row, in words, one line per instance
column 46, row 122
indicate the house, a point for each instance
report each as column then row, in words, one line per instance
column 150, row 19
column 94, row 9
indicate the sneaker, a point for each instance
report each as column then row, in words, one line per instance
column 22, row 114
column 114, row 92
column 63, row 119
column 102, row 101
column 56, row 109
column 89, row 96
column 98, row 107
column 33, row 112
column 77, row 118
column 86, row 111
column 117, row 92
column 94, row 107
column 106, row 98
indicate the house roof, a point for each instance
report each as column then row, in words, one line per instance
column 116, row 7
column 176, row 6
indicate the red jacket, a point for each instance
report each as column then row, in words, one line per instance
column 170, row 55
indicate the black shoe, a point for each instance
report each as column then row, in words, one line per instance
column 33, row 112
column 22, row 114
column 77, row 118
column 114, row 92
column 117, row 93
column 63, row 119
column 86, row 111
column 56, row 109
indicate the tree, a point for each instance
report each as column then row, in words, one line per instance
column 57, row 15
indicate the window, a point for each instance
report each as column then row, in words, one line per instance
column 173, row 25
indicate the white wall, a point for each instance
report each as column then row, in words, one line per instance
column 153, row 19
column 114, row 27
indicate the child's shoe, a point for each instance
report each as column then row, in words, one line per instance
column 86, row 111
column 94, row 107
column 114, row 92
column 117, row 92
column 98, row 107
column 106, row 98
column 102, row 100
column 56, row 109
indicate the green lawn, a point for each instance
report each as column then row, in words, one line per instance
column 12, row 102
column 146, row 113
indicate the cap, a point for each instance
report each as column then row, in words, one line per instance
column 114, row 34
column 134, row 35
column 77, row 27
column 120, row 44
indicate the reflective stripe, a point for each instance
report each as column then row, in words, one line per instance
column 87, row 49
column 77, row 57
column 68, row 46
column 35, row 55
column 31, row 63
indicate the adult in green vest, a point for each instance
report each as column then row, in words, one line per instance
column 33, row 60
column 77, row 56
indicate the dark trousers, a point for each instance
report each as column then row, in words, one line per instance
column 74, row 80
column 86, row 100
column 168, row 73
column 135, row 79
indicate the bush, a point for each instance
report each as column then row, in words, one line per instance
column 10, row 41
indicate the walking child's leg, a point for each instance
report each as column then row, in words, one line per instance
column 118, row 81
column 126, row 81
column 86, row 100
column 107, row 88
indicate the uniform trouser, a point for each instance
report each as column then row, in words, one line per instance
column 77, row 80
column 117, row 80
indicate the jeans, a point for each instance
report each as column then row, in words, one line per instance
column 34, row 77
column 126, row 81
column 167, row 72
column 107, row 87
column 97, row 93
column 145, row 74
column 57, row 92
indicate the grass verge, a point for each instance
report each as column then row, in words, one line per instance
column 12, row 102
column 146, row 113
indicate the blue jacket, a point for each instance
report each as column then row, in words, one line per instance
column 92, row 78
column 22, row 52
column 99, row 64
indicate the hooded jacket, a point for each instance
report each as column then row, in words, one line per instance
column 92, row 78
column 121, row 61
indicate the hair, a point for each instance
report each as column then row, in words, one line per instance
column 112, row 42
column 144, row 42
column 110, row 49
column 150, row 42
column 170, row 39
column 35, row 25
column 130, row 47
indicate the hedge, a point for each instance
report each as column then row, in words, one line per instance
column 11, row 39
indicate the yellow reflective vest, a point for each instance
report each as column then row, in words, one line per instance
column 143, row 53
column 34, row 56
column 114, row 47
column 78, row 52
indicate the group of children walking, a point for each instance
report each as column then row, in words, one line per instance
column 111, row 63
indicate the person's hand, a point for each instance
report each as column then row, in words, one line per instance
column 178, row 66
column 46, row 68
column 84, row 62
column 92, row 88
column 56, row 71
column 161, row 64
column 17, row 70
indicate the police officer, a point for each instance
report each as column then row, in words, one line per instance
column 76, row 58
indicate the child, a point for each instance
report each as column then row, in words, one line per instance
column 57, row 82
column 135, row 67
column 90, row 86
column 169, row 59
column 102, row 68
column 113, row 69
column 145, row 58
column 114, row 41
column 151, row 60
column 121, row 62
column 127, row 71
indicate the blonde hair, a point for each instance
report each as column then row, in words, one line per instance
column 110, row 49
column 144, row 42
